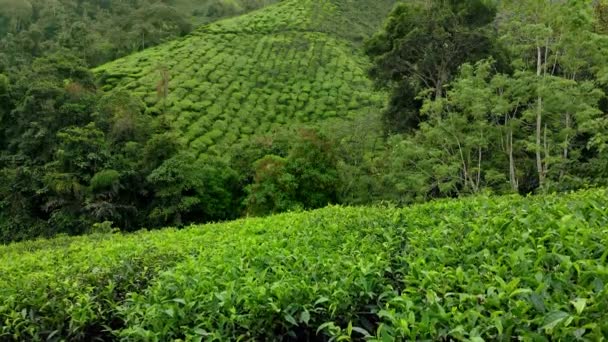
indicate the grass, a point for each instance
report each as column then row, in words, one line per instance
column 507, row 268
column 292, row 62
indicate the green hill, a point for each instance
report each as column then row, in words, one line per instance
column 505, row 268
column 292, row 62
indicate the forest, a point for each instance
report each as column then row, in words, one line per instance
column 422, row 100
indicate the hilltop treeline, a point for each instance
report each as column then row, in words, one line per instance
column 486, row 97
column 98, row 31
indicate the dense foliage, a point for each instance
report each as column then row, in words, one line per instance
column 274, row 110
column 527, row 117
column 422, row 46
column 502, row 268
column 101, row 30
column 179, row 133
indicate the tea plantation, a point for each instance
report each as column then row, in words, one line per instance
column 292, row 62
column 485, row 268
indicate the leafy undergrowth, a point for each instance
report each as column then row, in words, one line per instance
column 292, row 62
column 506, row 268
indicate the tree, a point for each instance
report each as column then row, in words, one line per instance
column 477, row 137
column 81, row 153
column 56, row 92
column 21, row 204
column 4, row 107
column 358, row 145
column 162, row 87
column 122, row 115
column 303, row 175
column 154, row 23
column 313, row 161
column 601, row 15
column 273, row 189
column 421, row 46
column 568, row 56
column 19, row 12
column 187, row 189
column 458, row 127
column 453, row 151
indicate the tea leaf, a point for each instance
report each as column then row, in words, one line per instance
column 579, row 304
column 553, row 319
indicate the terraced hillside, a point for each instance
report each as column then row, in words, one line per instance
column 295, row 61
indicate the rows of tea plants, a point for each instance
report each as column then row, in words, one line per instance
column 300, row 266
column 227, row 84
column 71, row 287
column 503, row 269
column 506, row 268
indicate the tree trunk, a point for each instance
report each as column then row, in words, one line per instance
column 566, row 144
column 566, row 139
column 478, row 185
column 512, row 174
column 546, row 152
column 438, row 91
column 539, row 122
column 465, row 169
column 442, row 79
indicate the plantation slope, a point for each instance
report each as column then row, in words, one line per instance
column 76, row 286
column 246, row 75
column 506, row 268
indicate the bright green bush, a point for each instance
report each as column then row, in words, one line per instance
column 504, row 269
column 507, row 268
column 72, row 288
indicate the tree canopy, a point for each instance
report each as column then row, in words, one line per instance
column 421, row 46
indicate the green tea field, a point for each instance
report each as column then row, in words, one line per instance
column 485, row 268
column 292, row 62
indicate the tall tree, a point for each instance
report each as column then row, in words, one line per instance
column 601, row 14
column 17, row 13
column 422, row 45
column 4, row 107
column 554, row 46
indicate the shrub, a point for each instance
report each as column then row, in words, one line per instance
column 506, row 268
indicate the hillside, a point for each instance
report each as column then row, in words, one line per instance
column 502, row 268
column 292, row 62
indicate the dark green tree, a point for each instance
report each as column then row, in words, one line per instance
column 5, row 104
column 421, row 47
column 187, row 190
column 57, row 92
column 302, row 174
column 274, row 187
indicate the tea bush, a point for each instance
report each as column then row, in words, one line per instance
column 506, row 268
